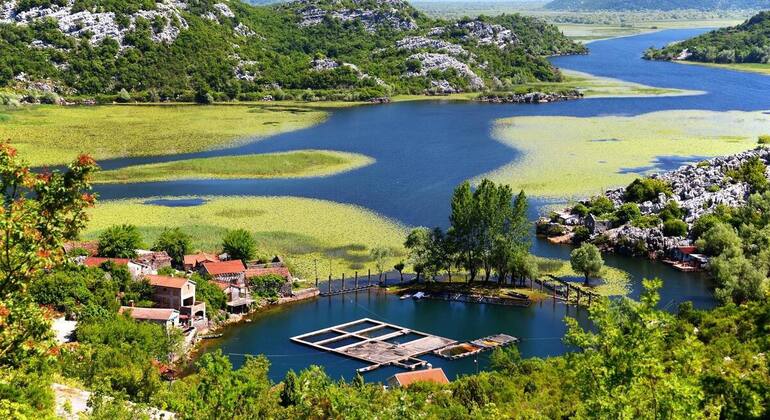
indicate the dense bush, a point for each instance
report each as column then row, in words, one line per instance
column 267, row 286
column 120, row 241
column 675, row 227
column 646, row 189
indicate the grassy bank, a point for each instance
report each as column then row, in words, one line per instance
column 566, row 157
column 301, row 163
column 303, row 230
column 760, row 68
column 50, row 135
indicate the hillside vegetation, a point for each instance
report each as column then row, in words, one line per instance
column 656, row 4
column 306, row 49
column 745, row 43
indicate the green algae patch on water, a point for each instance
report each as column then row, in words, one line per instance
column 610, row 282
column 574, row 157
column 294, row 164
column 604, row 87
column 54, row 135
column 309, row 233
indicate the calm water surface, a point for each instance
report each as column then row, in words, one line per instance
column 422, row 151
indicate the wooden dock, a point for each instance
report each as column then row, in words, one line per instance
column 458, row 351
column 375, row 342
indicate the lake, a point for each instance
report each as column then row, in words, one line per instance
column 422, row 151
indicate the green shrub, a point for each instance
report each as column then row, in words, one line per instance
column 674, row 227
column 646, row 221
column 581, row 210
column 646, row 189
column 627, row 212
column 601, row 205
column 581, row 234
column 267, row 286
column 764, row 139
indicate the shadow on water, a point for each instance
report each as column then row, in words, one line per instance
column 422, row 151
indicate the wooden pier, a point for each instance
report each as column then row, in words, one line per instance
column 375, row 342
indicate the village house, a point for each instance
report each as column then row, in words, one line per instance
column 406, row 379
column 233, row 271
column 178, row 293
column 167, row 317
column 137, row 270
column 195, row 261
column 238, row 297
column 88, row 248
column 687, row 258
column 596, row 226
column 153, row 259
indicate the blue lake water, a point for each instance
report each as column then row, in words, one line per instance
column 422, row 151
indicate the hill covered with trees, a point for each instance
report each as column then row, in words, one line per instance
column 624, row 5
column 305, row 49
column 745, row 43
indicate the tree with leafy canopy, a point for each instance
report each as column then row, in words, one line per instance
column 239, row 244
column 587, row 260
column 175, row 243
column 40, row 211
column 120, row 241
column 418, row 244
column 380, row 256
column 400, row 268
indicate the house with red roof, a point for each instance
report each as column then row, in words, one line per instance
column 165, row 316
column 194, row 261
column 178, row 293
column 238, row 297
column 406, row 379
column 153, row 259
column 232, row 271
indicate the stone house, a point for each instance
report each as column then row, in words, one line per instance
column 596, row 226
column 194, row 261
column 238, row 297
column 154, row 260
column 178, row 293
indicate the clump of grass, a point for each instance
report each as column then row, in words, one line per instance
column 301, row 163
column 307, row 232
column 50, row 135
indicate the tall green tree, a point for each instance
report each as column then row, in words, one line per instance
column 587, row 260
column 239, row 244
column 176, row 243
column 120, row 241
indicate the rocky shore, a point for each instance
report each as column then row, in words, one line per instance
column 662, row 225
column 530, row 98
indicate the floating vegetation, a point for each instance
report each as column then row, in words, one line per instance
column 50, row 135
column 611, row 282
column 559, row 153
column 301, row 163
column 308, row 232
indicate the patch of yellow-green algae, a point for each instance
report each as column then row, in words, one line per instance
column 604, row 87
column 52, row 135
column 760, row 68
column 294, row 164
column 572, row 157
column 611, row 281
column 307, row 232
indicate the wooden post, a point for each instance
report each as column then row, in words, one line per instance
column 343, row 282
column 567, row 297
column 330, row 284
column 590, row 295
column 369, row 278
column 356, row 283
column 316, row 282
column 577, row 302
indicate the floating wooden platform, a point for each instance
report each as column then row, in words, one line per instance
column 458, row 351
column 375, row 342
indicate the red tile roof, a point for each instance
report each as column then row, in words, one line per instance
column 222, row 284
column 98, row 261
column 256, row 272
column 687, row 250
column 92, row 247
column 198, row 258
column 224, row 267
column 429, row 375
column 164, row 281
column 150, row 314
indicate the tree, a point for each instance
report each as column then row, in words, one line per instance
column 120, row 241
column 123, row 96
column 720, row 239
column 239, row 244
column 176, row 244
column 418, row 246
column 380, row 255
column 40, row 211
column 675, row 227
column 646, row 189
column 627, row 213
column 464, row 231
column 400, row 268
column 206, row 291
column 587, row 260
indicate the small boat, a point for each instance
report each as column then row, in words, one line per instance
column 419, row 295
column 208, row 336
column 407, row 296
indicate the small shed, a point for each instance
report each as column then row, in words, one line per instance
column 596, row 226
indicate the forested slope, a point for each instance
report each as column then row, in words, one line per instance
column 346, row 49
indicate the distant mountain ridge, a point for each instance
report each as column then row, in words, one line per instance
column 308, row 49
column 748, row 42
column 631, row 5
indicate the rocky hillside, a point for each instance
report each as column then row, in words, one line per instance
column 745, row 43
column 631, row 5
column 656, row 214
column 305, row 49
